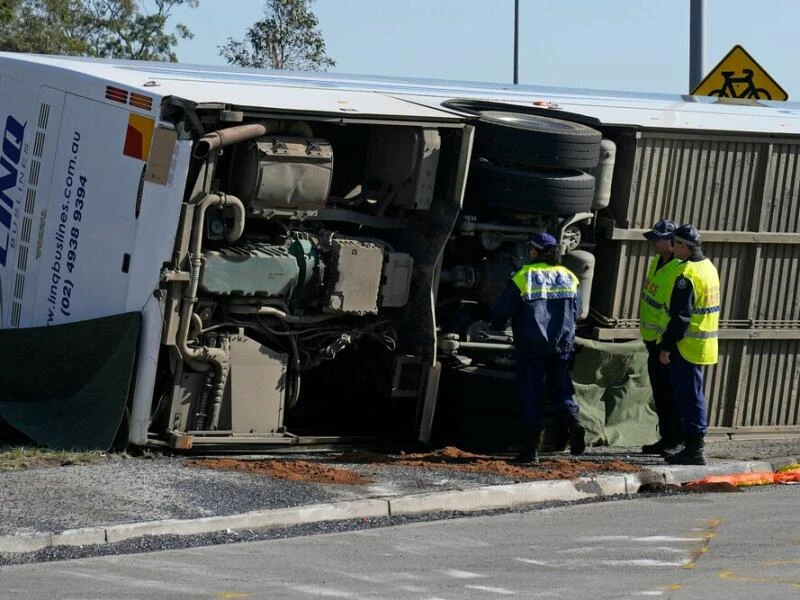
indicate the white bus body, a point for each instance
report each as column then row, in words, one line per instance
column 274, row 229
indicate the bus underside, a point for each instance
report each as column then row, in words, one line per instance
column 326, row 270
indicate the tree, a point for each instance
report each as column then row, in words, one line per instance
column 102, row 28
column 127, row 32
column 7, row 10
column 287, row 38
column 42, row 26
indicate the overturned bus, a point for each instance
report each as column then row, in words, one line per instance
column 222, row 258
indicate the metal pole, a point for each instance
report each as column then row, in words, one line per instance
column 516, row 42
column 696, row 42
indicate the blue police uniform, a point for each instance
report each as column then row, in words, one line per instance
column 691, row 339
column 652, row 320
column 543, row 302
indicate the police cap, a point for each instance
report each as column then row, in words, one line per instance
column 688, row 235
column 542, row 240
column 663, row 230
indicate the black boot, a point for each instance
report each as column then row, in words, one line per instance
column 655, row 448
column 671, row 448
column 663, row 447
column 692, row 453
column 577, row 439
column 556, row 438
column 531, row 435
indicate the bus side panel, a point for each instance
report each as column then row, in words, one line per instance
column 159, row 213
column 21, row 162
column 158, row 223
column 91, row 220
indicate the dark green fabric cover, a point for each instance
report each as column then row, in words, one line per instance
column 477, row 408
column 66, row 386
column 613, row 391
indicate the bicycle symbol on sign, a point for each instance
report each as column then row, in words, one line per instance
column 746, row 85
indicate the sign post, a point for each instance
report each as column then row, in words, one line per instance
column 738, row 75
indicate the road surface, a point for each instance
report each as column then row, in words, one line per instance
column 741, row 545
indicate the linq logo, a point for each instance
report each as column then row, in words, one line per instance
column 9, row 160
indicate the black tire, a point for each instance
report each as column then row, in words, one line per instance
column 530, row 190
column 523, row 139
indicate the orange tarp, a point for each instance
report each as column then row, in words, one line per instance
column 788, row 474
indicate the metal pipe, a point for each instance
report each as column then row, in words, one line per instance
column 275, row 312
column 516, row 41
column 217, row 357
column 485, row 346
column 241, row 133
column 469, row 226
column 696, row 42
column 228, row 136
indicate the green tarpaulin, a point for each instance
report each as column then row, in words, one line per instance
column 613, row 391
column 478, row 408
column 66, row 386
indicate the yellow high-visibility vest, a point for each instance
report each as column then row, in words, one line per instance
column 540, row 281
column 700, row 346
column 654, row 300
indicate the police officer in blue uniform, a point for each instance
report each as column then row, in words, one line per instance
column 543, row 302
column 653, row 318
column 691, row 339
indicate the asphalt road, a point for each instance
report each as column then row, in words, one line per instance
column 735, row 546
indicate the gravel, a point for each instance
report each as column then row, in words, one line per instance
column 120, row 489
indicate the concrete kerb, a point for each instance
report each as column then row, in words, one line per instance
column 509, row 496
column 261, row 519
column 25, row 542
column 462, row 500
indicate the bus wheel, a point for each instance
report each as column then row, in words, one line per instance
column 555, row 192
column 522, row 139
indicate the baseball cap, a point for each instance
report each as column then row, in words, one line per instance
column 541, row 241
column 663, row 230
column 688, row 234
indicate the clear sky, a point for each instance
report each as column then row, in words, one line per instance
column 637, row 45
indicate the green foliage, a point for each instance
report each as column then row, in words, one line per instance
column 287, row 38
column 102, row 28
column 7, row 10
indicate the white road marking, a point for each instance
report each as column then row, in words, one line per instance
column 530, row 561
column 462, row 574
column 491, row 590
column 595, row 549
column 317, row 590
column 644, row 562
column 664, row 538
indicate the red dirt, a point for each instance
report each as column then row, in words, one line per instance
column 560, row 468
column 294, row 470
column 449, row 458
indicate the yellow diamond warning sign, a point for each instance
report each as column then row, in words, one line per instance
column 738, row 75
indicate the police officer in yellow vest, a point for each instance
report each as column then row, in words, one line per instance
column 653, row 318
column 690, row 340
column 543, row 302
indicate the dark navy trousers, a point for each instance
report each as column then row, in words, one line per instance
column 669, row 419
column 687, row 387
column 539, row 373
